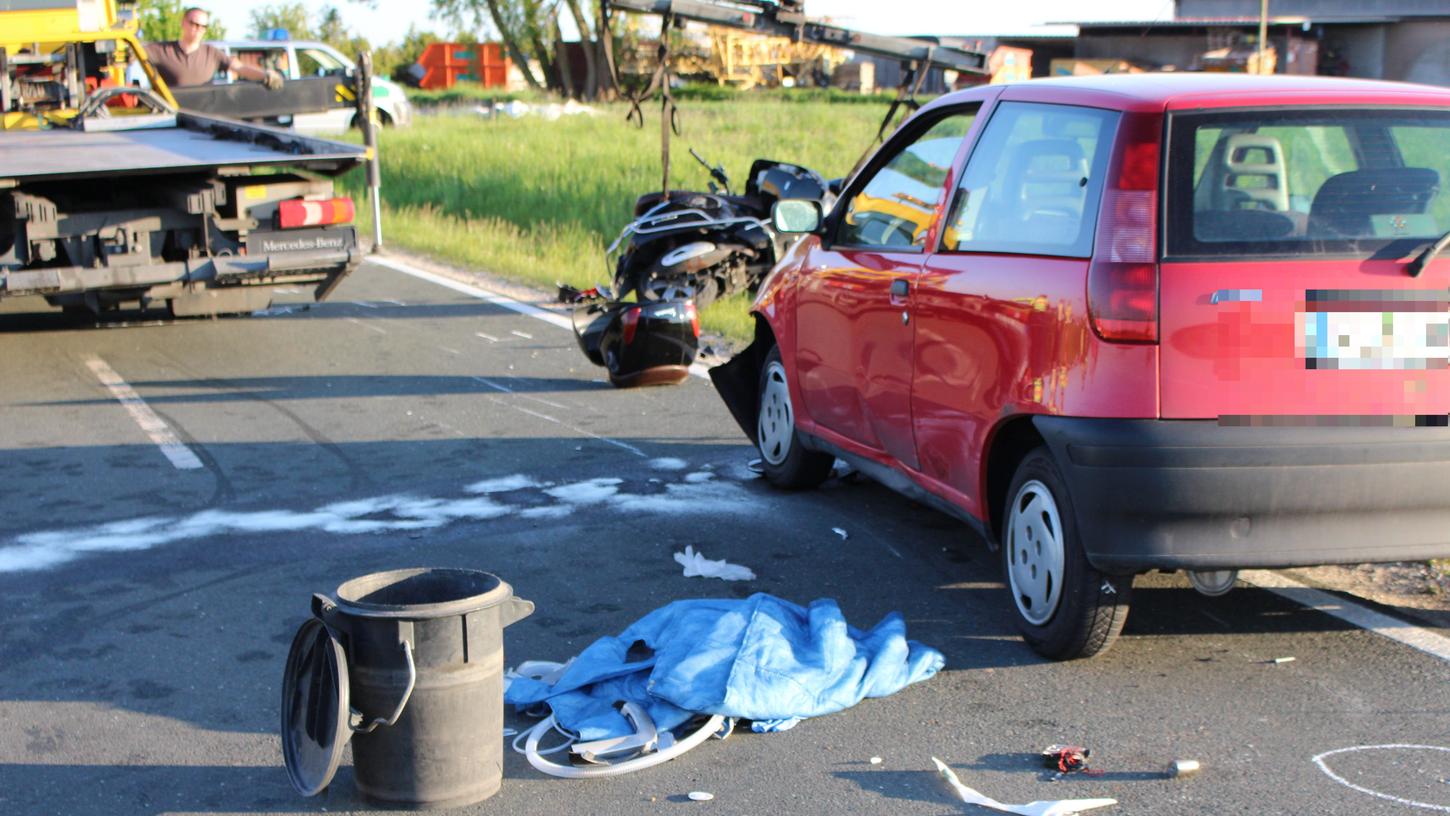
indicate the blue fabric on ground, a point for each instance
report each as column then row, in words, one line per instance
column 761, row 658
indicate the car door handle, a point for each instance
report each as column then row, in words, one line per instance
column 899, row 287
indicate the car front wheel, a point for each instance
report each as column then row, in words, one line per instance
column 1065, row 608
column 786, row 462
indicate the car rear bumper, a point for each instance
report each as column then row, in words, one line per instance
column 1194, row 494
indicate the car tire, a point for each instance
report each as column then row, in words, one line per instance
column 1065, row 608
column 784, row 459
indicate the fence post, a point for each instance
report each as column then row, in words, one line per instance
column 366, row 117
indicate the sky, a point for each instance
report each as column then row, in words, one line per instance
column 391, row 18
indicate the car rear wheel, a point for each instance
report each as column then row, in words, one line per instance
column 786, row 462
column 1065, row 608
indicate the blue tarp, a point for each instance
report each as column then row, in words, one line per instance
column 762, row 659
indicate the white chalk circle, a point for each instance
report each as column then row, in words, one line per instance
column 1324, row 766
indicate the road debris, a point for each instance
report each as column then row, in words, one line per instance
column 875, row 760
column 697, row 565
column 1279, row 660
column 701, row 796
column 840, row 532
column 1183, row 767
column 1061, row 807
column 1066, row 758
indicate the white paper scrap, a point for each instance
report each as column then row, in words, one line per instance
column 1062, row 807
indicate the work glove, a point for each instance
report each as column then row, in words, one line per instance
column 272, row 80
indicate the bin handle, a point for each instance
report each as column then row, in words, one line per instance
column 515, row 610
column 357, row 717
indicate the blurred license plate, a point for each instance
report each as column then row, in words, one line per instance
column 1375, row 340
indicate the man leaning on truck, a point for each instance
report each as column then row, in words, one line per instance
column 189, row 61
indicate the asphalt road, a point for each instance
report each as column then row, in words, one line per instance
column 150, row 594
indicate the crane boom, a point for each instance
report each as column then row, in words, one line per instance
column 788, row 19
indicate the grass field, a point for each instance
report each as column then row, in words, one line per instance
column 539, row 201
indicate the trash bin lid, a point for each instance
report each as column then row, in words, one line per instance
column 315, row 710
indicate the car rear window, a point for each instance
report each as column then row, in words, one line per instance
column 1317, row 182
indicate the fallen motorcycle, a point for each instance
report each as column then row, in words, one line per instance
column 644, row 343
column 705, row 246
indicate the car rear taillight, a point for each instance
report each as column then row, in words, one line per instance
column 694, row 315
column 1123, row 277
column 302, row 213
column 630, row 324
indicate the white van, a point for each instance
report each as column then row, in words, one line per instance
column 296, row 59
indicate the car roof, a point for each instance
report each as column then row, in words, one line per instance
column 1157, row 91
column 268, row 43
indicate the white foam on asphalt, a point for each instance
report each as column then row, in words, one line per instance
column 592, row 491
column 504, row 484
column 711, row 499
column 668, row 463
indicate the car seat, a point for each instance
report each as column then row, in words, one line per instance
column 1042, row 194
column 1251, row 156
column 1343, row 206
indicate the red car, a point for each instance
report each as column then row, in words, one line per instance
column 1127, row 323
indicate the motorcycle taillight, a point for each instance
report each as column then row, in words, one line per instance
column 630, row 324
column 694, row 315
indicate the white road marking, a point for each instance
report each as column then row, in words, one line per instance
column 507, row 390
column 499, row 300
column 153, row 426
column 1361, row 616
column 576, row 429
column 1319, row 760
column 367, row 326
column 490, row 338
column 521, row 334
column 454, row 352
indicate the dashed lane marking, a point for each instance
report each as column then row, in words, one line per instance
column 153, row 426
column 1361, row 616
column 499, row 300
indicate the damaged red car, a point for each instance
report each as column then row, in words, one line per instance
column 1129, row 323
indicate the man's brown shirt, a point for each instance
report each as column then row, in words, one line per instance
column 180, row 68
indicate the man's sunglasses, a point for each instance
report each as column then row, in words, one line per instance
column 198, row 25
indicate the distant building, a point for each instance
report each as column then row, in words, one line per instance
column 1391, row 39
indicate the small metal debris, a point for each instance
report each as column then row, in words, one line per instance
column 875, row 760
column 842, row 533
column 1066, row 758
column 701, row 796
column 1183, row 767
column 1283, row 660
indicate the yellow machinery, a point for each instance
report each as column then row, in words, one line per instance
column 60, row 57
column 748, row 60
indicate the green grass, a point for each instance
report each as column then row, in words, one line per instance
column 538, row 202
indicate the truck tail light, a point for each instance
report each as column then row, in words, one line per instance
column 694, row 315
column 630, row 324
column 302, row 213
column 1123, row 277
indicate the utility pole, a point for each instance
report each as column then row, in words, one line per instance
column 1263, row 33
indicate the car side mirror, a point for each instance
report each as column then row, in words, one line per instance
column 796, row 215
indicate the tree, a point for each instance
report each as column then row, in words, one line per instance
column 161, row 21
column 291, row 16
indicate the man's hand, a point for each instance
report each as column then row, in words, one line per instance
column 272, row 80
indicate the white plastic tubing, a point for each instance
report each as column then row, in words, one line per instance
column 536, row 759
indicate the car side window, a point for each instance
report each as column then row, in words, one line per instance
column 314, row 62
column 895, row 208
column 1033, row 182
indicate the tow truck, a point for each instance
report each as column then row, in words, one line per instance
column 111, row 196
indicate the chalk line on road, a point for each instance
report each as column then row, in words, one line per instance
column 505, row 301
column 153, row 426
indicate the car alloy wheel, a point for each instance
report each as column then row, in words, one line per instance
column 776, row 427
column 1035, row 552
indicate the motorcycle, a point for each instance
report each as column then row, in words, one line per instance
column 705, row 246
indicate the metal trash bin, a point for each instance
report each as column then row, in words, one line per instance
column 408, row 665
